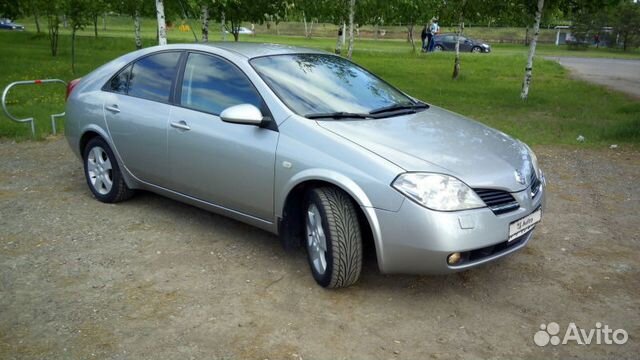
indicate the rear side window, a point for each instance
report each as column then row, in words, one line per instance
column 211, row 84
column 118, row 83
column 151, row 77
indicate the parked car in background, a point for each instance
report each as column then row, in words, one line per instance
column 309, row 146
column 447, row 42
column 243, row 30
column 7, row 24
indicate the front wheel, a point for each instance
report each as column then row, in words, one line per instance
column 103, row 174
column 476, row 49
column 438, row 48
column 333, row 238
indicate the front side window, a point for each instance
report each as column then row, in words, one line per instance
column 312, row 84
column 211, row 84
column 152, row 76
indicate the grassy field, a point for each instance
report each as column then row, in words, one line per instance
column 559, row 108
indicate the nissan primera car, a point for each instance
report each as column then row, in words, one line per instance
column 309, row 146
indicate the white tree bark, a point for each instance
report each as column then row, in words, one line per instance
column 456, row 65
column 136, row 29
column 162, row 25
column 306, row 29
column 223, row 21
column 528, row 71
column 344, row 33
column 352, row 12
column 205, row 23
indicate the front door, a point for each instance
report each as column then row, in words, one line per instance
column 230, row 165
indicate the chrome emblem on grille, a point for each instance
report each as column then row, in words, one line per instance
column 520, row 178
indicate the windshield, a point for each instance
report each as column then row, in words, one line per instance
column 312, row 84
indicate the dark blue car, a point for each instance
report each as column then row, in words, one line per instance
column 6, row 24
column 447, row 42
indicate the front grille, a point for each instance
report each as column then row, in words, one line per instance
column 535, row 184
column 498, row 201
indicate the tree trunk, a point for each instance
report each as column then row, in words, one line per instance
column 277, row 30
column 344, row 33
column 311, row 29
column 306, row 29
column 35, row 17
column 410, row 36
column 223, row 23
column 528, row 71
column 526, row 37
column 73, row 50
column 54, row 29
column 456, row 65
column 162, row 25
column 338, row 49
column 352, row 13
column 95, row 25
column 205, row 23
column 235, row 28
column 104, row 21
column 136, row 29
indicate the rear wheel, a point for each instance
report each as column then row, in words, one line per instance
column 476, row 49
column 333, row 238
column 103, row 174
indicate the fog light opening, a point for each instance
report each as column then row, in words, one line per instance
column 454, row 258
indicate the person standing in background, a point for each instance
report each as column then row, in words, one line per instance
column 435, row 30
column 425, row 37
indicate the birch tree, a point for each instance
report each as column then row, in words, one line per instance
column 456, row 64
column 136, row 29
column 352, row 13
column 162, row 25
column 528, row 71
column 205, row 22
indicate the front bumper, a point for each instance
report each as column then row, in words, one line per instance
column 416, row 240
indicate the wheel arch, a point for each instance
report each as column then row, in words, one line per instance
column 93, row 131
column 289, row 220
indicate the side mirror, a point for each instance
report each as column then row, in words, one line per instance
column 242, row 114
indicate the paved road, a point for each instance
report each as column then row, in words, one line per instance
column 618, row 74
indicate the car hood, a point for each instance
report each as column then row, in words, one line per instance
column 436, row 140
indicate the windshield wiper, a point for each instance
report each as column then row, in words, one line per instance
column 399, row 106
column 338, row 115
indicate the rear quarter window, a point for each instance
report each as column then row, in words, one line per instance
column 152, row 76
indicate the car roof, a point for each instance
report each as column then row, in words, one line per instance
column 252, row 50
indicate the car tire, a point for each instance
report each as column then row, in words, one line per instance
column 103, row 174
column 476, row 49
column 438, row 48
column 333, row 237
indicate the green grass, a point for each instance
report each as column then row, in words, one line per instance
column 558, row 110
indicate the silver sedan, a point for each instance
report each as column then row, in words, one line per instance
column 309, row 146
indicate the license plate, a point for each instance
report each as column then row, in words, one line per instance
column 520, row 227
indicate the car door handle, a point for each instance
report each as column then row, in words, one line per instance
column 180, row 125
column 113, row 108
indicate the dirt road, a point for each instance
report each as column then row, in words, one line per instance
column 155, row 279
column 618, row 74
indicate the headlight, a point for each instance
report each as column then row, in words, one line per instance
column 437, row 191
column 534, row 161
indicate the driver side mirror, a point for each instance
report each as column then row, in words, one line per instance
column 246, row 114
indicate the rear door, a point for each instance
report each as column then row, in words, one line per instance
column 230, row 165
column 137, row 113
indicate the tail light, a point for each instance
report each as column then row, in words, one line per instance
column 70, row 87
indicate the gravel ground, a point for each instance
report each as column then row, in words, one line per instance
column 155, row 279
